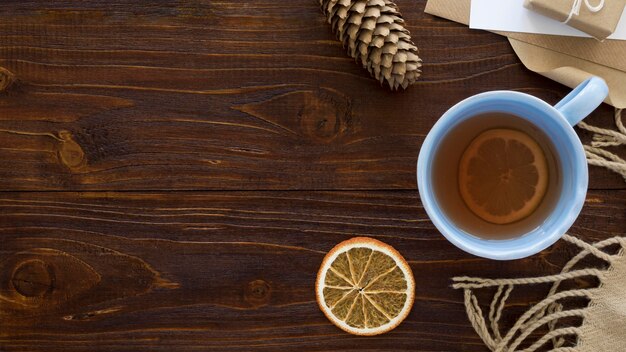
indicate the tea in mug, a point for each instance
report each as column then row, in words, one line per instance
column 496, row 176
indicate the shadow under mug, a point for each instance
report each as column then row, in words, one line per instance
column 556, row 122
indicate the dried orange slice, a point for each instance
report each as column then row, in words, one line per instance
column 503, row 176
column 365, row 286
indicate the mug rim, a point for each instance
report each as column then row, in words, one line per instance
column 456, row 235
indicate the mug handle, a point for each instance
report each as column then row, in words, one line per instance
column 583, row 100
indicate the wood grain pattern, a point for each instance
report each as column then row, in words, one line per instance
column 173, row 172
column 120, row 95
column 231, row 270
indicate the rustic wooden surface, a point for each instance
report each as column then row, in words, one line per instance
column 174, row 171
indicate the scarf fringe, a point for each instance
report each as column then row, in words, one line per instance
column 546, row 313
column 602, row 138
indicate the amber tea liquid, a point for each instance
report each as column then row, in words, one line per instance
column 445, row 178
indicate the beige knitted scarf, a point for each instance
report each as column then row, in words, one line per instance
column 597, row 155
column 545, row 325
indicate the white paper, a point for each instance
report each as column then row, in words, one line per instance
column 512, row 16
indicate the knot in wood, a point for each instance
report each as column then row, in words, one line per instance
column 6, row 79
column 257, row 293
column 33, row 278
column 324, row 115
column 70, row 152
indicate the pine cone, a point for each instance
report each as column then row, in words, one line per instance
column 373, row 32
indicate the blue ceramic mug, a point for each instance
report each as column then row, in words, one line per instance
column 556, row 122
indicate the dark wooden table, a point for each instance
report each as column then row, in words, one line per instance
column 172, row 173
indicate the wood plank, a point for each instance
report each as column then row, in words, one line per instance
column 126, row 95
column 105, row 271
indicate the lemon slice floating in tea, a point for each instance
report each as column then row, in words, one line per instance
column 503, row 176
column 365, row 286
